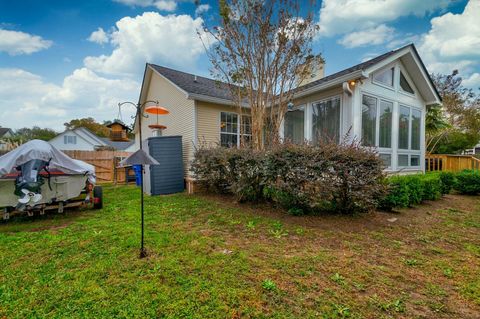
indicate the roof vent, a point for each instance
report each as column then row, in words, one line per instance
column 195, row 78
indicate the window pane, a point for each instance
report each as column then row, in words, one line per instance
column 403, row 124
column 385, row 77
column 326, row 120
column 65, row 139
column 387, row 159
column 228, row 140
column 404, row 84
column 414, row 160
column 369, row 120
column 246, row 125
column 294, row 126
column 416, row 119
column 402, row 160
column 386, row 109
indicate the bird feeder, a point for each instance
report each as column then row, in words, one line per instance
column 157, row 128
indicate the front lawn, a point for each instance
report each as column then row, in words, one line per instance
column 212, row 258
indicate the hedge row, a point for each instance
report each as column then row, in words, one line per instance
column 409, row 190
column 344, row 178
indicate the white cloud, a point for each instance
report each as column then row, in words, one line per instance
column 372, row 36
column 163, row 5
column 342, row 16
column 202, row 9
column 453, row 42
column 82, row 94
column 17, row 42
column 151, row 37
column 99, row 36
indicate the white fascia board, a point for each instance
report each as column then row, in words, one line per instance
column 337, row 81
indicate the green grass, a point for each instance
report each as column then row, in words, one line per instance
column 212, row 258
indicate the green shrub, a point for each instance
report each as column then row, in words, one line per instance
column 409, row 190
column 398, row 193
column 416, row 188
column 432, row 187
column 448, row 181
column 468, row 182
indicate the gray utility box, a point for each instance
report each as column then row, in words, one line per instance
column 166, row 178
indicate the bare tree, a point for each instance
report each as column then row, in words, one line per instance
column 262, row 50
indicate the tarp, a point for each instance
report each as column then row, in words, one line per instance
column 38, row 149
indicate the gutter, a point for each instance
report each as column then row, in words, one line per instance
column 337, row 81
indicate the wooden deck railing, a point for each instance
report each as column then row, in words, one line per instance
column 450, row 163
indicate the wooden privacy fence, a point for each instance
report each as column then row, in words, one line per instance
column 105, row 162
column 451, row 163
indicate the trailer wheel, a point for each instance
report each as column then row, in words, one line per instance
column 97, row 197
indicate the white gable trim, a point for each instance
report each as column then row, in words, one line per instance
column 419, row 64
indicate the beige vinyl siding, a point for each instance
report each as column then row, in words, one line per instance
column 208, row 121
column 180, row 121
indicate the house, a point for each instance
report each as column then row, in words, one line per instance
column 5, row 132
column 82, row 139
column 381, row 102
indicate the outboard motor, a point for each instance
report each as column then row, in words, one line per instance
column 28, row 184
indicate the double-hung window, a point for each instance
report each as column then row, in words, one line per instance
column 228, row 129
column 409, row 136
column 377, row 126
column 234, row 129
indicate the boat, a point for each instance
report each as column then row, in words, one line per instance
column 36, row 177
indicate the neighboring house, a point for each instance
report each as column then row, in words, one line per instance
column 4, row 133
column 82, row 139
column 474, row 151
column 381, row 102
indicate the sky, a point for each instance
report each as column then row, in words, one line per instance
column 61, row 60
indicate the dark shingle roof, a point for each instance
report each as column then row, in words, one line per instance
column 202, row 86
column 4, row 130
column 216, row 89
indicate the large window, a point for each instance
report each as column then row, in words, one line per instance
column 369, row 120
column 234, row 129
column 294, row 126
column 228, row 129
column 377, row 126
column 385, row 124
column 385, row 77
column 326, row 120
column 409, row 136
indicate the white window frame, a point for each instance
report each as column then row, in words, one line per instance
column 409, row 151
column 409, row 81
column 69, row 139
column 239, row 123
column 310, row 116
column 389, row 67
column 381, row 150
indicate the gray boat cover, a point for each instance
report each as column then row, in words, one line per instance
column 38, row 149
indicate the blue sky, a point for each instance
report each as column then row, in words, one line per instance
column 67, row 59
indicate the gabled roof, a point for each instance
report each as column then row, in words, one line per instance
column 198, row 87
column 195, row 84
column 5, row 130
